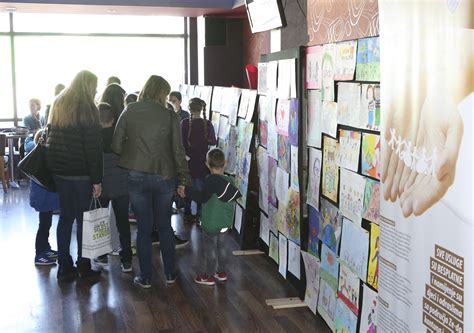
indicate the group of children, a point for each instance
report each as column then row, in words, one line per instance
column 214, row 193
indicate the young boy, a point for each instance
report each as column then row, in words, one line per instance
column 218, row 201
column 114, row 189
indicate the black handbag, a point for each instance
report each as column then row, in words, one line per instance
column 34, row 165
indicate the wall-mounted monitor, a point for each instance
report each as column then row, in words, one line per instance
column 265, row 14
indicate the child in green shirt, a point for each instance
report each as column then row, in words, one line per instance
column 218, row 201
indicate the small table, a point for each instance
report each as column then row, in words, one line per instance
column 11, row 137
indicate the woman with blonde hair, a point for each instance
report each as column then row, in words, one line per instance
column 74, row 156
column 148, row 139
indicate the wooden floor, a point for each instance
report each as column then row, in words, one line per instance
column 32, row 301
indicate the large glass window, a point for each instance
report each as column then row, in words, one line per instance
column 4, row 22
column 61, row 23
column 6, row 91
column 43, row 62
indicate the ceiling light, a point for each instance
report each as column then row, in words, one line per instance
column 111, row 11
column 10, row 9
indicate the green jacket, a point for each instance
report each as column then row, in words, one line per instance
column 148, row 138
column 218, row 197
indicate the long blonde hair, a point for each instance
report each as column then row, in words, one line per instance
column 156, row 89
column 75, row 105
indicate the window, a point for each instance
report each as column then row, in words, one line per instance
column 4, row 22
column 58, row 58
column 98, row 24
column 6, row 92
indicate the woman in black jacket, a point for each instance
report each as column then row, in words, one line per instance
column 148, row 139
column 74, row 156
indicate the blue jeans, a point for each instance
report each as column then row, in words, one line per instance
column 151, row 198
column 74, row 199
column 198, row 185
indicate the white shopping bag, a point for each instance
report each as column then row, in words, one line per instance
column 114, row 234
column 96, row 233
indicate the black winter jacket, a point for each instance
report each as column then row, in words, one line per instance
column 75, row 151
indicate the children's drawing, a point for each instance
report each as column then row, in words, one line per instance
column 272, row 141
column 349, row 148
column 251, row 105
column 272, row 219
column 243, row 187
column 272, row 171
column 329, row 266
column 284, row 78
column 273, row 249
column 224, row 127
column 311, row 266
column 293, row 126
column 370, row 155
column 313, row 241
column 348, row 104
column 264, row 228
column 351, row 199
column 245, row 165
column 231, row 151
column 230, row 104
column 281, row 185
column 281, row 219
column 294, row 259
column 216, row 99
column 355, row 248
column 263, row 134
column 283, row 116
column 247, row 137
column 368, row 315
column 314, row 118
column 294, row 180
column 348, row 290
column 241, row 126
column 284, row 153
column 244, row 103
column 262, row 163
column 346, row 320
column 373, row 271
column 215, row 121
column 314, row 177
column 293, row 215
column 272, row 77
column 368, row 59
column 314, row 57
column 346, row 53
column 263, row 107
column 238, row 218
column 329, row 118
column 282, row 254
column 370, row 107
column 262, row 78
column 371, row 210
column 330, row 175
column 327, row 72
column 330, row 225
column 327, row 303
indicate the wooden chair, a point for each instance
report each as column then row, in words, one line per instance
column 3, row 165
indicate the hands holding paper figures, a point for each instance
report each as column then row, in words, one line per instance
column 423, row 134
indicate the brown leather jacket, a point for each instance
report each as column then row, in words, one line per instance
column 148, row 138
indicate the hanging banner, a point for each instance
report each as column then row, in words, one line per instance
column 426, row 207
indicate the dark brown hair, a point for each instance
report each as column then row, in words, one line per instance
column 105, row 113
column 197, row 105
column 215, row 158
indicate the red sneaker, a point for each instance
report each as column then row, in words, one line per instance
column 220, row 276
column 205, row 279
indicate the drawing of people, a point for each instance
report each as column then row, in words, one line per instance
column 327, row 65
